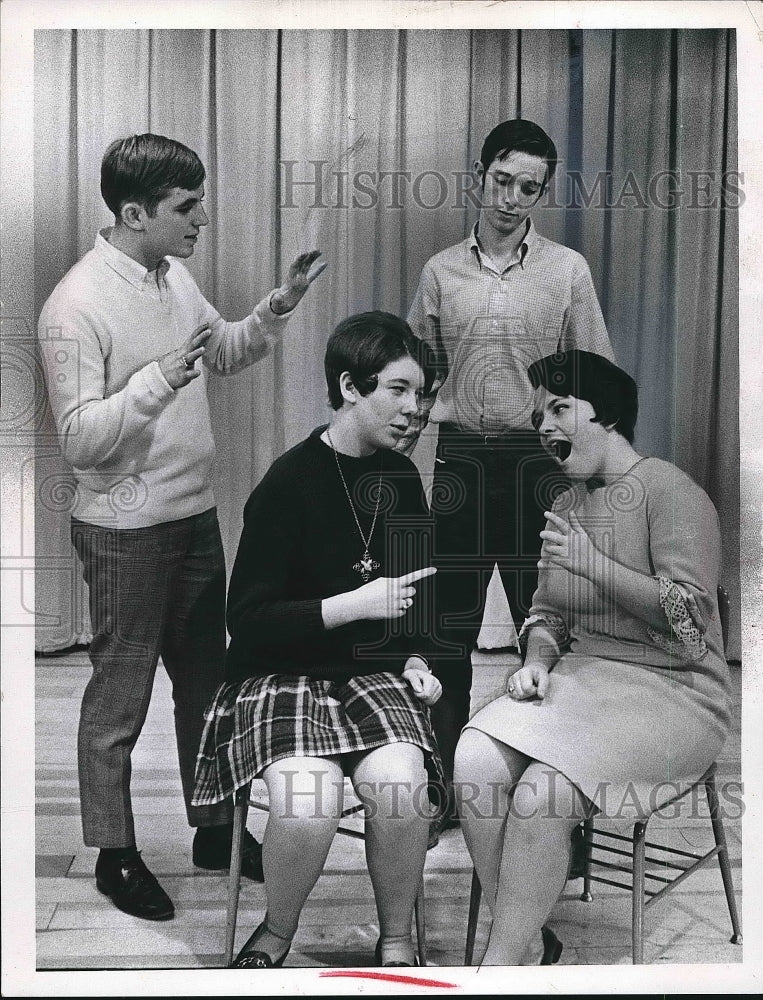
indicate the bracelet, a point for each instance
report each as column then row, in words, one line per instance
column 424, row 660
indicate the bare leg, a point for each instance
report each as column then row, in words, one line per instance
column 391, row 781
column 545, row 808
column 485, row 774
column 305, row 796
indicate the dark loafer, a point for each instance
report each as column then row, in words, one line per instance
column 552, row 946
column 252, row 959
column 215, row 856
column 132, row 888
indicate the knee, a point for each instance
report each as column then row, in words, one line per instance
column 394, row 784
column 470, row 755
column 304, row 796
column 479, row 782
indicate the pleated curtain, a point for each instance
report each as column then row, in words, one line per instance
column 363, row 143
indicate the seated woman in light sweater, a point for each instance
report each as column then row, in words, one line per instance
column 326, row 673
column 623, row 696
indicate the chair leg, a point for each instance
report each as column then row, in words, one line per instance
column 723, row 854
column 585, row 895
column 234, row 875
column 637, row 900
column 475, row 897
column 421, row 931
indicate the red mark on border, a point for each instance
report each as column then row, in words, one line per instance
column 390, row 977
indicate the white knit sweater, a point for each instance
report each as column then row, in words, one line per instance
column 141, row 451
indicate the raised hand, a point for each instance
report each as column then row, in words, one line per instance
column 302, row 273
column 179, row 366
column 568, row 544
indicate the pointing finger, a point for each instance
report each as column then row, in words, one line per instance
column 417, row 574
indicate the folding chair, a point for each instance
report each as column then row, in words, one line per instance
column 634, row 861
column 241, row 807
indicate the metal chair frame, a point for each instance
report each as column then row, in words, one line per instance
column 635, row 860
column 684, row 863
column 241, row 807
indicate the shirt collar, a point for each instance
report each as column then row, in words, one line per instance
column 526, row 246
column 128, row 268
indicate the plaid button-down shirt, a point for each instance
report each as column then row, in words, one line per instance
column 488, row 325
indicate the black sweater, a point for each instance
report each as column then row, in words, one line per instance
column 299, row 545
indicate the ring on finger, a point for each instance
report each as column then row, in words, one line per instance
column 188, row 364
column 511, row 688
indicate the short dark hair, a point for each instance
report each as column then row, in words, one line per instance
column 612, row 393
column 364, row 344
column 145, row 168
column 521, row 136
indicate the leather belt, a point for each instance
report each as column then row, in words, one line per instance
column 453, row 431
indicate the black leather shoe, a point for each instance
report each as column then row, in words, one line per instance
column 132, row 888
column 552, row 946
column 248, row 958
column 435, row 829
column 214, row 854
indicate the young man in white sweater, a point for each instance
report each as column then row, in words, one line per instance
column 131, row 409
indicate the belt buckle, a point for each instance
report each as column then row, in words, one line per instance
column 490, row 439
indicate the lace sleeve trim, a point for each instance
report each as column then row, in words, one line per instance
column 684, row 637
column 554, row 623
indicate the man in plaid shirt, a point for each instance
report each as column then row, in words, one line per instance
column 490, row 306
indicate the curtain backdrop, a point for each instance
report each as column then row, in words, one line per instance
column 362, row 143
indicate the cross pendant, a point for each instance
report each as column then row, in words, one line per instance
column 366, row 566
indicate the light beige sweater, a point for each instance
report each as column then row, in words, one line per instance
column 141, row 451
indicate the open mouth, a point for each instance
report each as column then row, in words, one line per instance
column 560, row 449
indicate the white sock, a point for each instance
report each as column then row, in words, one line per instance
column 397, row 948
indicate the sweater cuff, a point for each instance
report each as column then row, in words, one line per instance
column 153, row 388
column 551, row 621
column 684, row 635
column 272, row 310
column 266, row 324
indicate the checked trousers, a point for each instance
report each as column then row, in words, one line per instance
column 154, row 592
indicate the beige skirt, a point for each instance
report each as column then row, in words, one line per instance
column 628, row 737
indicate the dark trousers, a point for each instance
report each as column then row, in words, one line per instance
column 154, row 592
column 488, row 499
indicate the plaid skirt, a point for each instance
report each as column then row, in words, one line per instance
column 250, row 725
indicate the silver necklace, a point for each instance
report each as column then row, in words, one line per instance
column 365, row 565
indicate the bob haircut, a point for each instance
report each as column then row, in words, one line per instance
column 145, row 168
column 611, row 392
column 364, row 344
column 522, row 136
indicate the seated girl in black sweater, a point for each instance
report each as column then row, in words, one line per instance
column 326, row 674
